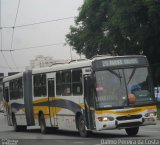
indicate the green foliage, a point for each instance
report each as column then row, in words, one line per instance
column 118, row 27
column 87, row 36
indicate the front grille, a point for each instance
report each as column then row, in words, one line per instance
column 129, row 117
column 129, row 124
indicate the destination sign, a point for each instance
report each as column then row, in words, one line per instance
column 116, row 62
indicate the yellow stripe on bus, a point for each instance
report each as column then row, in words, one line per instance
column 45, row 110
column 125, row 111
column 82, row 106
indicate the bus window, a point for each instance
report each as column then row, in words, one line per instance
column 36, row 82
column 66, row 83
column 16, row 89
column 110, row 88
column 20, row 88
column 11, row 89
column 39, row 82
column 51, row 88
column 43, row 85
column 138, row 83
column 58, row 83
column 77, row 82
column 6, row 94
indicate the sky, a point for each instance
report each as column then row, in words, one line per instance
column 29, row 12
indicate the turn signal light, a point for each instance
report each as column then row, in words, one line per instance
column 151, row 114
column 106, row 118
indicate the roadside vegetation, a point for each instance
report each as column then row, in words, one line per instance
column 118, row 27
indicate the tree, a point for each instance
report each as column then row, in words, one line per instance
column 118, row 27
column 86, row 36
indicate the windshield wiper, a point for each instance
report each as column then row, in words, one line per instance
column 113, row 72
column 132, row 74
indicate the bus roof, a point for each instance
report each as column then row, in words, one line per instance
column 99, row 57
column 71, row 65
column 58, row 67
column 77, row 64
column 13, row 77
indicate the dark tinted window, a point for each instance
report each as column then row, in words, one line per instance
column 77, row 82
column 66, row 83
column 6, row 94
column 51, row 92
column 39, row 82
column 16, row 89
column 58, row 83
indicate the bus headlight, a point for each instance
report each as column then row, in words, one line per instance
column 105, row 118
column 150, row 114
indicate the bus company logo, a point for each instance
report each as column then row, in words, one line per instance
column 118, row 62
column 9, row 142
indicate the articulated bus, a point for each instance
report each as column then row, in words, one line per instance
column 103, row 93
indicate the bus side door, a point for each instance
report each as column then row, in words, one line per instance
column 89, row 102
column 6, row 103
column 51, row 99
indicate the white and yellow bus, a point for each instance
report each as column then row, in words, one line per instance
column 103, row 93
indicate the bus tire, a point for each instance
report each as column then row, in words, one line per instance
column 82, row 127
column 42, row 124
column 16, row 127
column 22, row 128
column 132, row 131
column 14, row 122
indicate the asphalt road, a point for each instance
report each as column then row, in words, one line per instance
column 148, row 135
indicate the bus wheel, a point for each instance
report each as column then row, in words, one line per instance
column 14, row 123
column 16, row 127
column 42, row 124
column 82, row 127
column 132, row 131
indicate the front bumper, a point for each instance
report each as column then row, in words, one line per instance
column 120, row 124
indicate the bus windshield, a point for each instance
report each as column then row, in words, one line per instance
column 138, row 83
column 114, row 85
